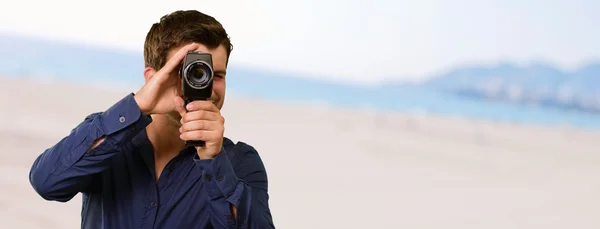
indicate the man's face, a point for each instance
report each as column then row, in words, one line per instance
column 219, row 58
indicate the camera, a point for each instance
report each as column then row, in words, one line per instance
column 196, row 80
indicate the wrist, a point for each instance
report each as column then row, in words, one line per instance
column 205, row 156
column 141, row 104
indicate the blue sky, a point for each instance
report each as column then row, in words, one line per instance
column 344, row 40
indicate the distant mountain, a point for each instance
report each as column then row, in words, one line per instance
column 537, row 84
column 461, row 91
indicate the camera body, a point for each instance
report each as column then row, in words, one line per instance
column 196, row 81
column 197, row 76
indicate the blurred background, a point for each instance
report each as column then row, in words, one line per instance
column 401, row 114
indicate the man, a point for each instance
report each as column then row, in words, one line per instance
column 130, row 162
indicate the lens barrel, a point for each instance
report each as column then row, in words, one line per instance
column 198, row 74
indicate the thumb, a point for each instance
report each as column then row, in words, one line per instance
column 179, row 105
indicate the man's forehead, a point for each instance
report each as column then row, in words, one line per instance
column 216, row 52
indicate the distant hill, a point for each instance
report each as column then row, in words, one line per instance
column 538, row 84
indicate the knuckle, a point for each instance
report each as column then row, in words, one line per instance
column 199, row 115
column 198, row 134
column 191, row 135
column 190, row 116
column 187, row 117
column 200, row 124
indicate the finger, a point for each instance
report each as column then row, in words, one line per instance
column 179, row 105
column 201, row 115
column 201, row 125
column 176, row 59
column 204, row 135
column 206, row 105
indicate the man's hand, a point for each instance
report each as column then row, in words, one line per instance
column 156, row 96
column 202, row 121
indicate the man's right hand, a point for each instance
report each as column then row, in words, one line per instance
column 158, row 93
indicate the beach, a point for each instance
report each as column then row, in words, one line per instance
column 338, row 167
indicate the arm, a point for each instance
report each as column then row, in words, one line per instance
column 243, row 190
column 69, row 166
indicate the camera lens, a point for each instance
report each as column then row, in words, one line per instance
column 199, row 74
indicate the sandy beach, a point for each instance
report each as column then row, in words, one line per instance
column 341, row 168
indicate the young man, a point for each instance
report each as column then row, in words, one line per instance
column 130, row 162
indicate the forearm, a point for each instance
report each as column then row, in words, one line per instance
column 252, row 209
column 96, row 143
column 248, row 209
column 69, row 166
column 239, row 199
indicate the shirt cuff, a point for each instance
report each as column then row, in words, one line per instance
column 125, row 114
column 219, row 171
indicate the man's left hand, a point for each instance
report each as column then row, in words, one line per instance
column 202, row 120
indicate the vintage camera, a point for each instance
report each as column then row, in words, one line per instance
column 196, row 80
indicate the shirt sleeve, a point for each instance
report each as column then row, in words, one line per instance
column 68, row 167
column 244, row 186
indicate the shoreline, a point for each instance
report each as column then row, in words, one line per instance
column 132, row 87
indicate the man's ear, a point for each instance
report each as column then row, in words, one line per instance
column 148, row 73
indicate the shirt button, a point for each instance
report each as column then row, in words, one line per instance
column 153, row 204
column 219, row 178
column 122, row 119
column 208, row 177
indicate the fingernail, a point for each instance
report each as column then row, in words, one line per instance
column 189, row 106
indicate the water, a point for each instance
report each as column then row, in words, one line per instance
column 66, row 62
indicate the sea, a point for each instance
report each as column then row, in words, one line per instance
column 34, row 58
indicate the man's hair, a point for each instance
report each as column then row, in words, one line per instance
column 180, row 28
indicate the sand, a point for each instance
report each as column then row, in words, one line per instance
column 341, row 168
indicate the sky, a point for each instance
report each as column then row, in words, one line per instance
column 342, row 40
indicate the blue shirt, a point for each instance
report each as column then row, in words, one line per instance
column 118, row 182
